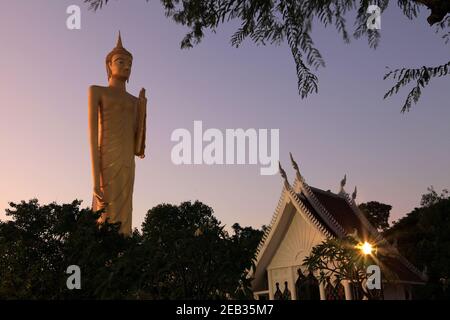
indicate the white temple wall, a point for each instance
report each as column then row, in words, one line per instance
column 297, row 243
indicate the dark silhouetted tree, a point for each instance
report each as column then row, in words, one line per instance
column 432, row 197
column 193, row 257
column 41, row 241
column 377, row 213
column 423, row 237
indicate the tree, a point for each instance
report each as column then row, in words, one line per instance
column 193, row 257
column 423, row 237
column 377, row 213
column 183, row 252
column 340, row 259
column 40, row 242
column 432, row 197
column 246, row 240
column 266, row 21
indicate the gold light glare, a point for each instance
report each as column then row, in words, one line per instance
column 366, row 248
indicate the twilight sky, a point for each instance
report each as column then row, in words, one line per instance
column 46, row 70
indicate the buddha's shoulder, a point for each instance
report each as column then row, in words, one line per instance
column 108, row 92
column 97, row 88
column 97, row 91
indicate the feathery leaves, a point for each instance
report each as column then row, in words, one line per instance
column 275, row 21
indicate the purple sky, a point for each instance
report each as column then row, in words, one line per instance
column 347, row 128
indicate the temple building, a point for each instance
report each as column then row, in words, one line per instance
column 306, row 216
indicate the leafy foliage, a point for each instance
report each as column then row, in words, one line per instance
column 443, row 25
column 421, row 77
column 377, row 213
column 40, row 242
column 182, row 253
column 269, row 21
column 423, row 237
column 432, row 197
column 339, row 258
column 195, row 257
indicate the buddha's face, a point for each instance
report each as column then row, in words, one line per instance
column 120, row 66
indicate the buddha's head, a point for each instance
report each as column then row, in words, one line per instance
column 118, row 62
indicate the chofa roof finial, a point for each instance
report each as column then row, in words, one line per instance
column 343, row 182
column 294, row 164
column 283, row 174
column 354, row 194
column 297, row 170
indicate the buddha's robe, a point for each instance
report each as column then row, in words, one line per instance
column 119, row 135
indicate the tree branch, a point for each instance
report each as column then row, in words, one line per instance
column 439, row 9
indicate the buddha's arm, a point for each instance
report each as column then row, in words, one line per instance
column 94, row 100
column 141, row 125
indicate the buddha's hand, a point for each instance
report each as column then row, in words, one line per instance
column 98, row 194
column 142, row 115
column 142, row 100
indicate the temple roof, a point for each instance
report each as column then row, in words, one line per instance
column 345, row 215
column 311, row 209
column 401, row 270
column 341, row 211
column 335, row 215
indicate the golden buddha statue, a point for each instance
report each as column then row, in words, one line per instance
column 117, row 129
